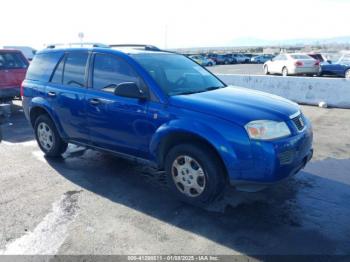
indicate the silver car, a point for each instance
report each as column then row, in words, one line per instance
column 292, row 64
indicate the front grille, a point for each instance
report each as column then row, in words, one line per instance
column 299, row 122
column 286, row 157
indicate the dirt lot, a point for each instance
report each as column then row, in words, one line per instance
column 89, row 202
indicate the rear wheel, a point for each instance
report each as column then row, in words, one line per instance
column 285, row 71
column 347, row 74
column 195, row 174
column 48, row 138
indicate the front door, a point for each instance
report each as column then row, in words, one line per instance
column 117, row 123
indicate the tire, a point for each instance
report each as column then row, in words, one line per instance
column 266, row 70
column 347, row 74
column 186, row 183
column 210, row 64
column 48, row 138
column 284, row 71
column 226, row 62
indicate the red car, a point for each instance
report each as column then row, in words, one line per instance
column 13, row 68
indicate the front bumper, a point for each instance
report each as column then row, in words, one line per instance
column 273, row 161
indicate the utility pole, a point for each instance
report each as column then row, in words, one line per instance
column 166, row 37
column 81, row 37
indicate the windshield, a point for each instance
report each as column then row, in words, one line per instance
column 176, row 74
column 12, row 60
column 344, row 60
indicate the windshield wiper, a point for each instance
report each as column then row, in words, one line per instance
column 189, row 92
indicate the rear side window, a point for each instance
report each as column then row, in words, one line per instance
column 300, row 57
column 74, row 69
column 58, row 75
column 12, row 60
column 42, row 66
column 109, row 71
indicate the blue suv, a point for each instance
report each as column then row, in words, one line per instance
column 165, row 110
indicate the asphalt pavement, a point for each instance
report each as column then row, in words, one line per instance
column 88, row 202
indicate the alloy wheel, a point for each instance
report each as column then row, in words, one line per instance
column 45, row 136
column 188, row 176
column 347, row 74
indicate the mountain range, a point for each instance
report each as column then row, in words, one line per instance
column 250, row 41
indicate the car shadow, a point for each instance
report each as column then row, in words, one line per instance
column 16, row 128
column 307, row 214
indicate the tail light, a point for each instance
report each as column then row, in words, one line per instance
column 21, row 90
column 298, row 63
column 317, row 63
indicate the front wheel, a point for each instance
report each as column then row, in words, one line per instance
column 48, row 138
column 347, row 74
column 195, row 174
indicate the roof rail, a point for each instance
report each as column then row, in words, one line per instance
column 52, row 46
column 145, row 47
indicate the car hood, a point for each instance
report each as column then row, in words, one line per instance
column 238, row 105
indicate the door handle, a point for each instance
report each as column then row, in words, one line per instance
column 51, row 94
column 95, row 101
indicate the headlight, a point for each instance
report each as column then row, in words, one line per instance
column 267, row 129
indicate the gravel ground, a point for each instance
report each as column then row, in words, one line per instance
column 89, row 202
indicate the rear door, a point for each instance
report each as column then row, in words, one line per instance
column 66, row 93
column 13, row 67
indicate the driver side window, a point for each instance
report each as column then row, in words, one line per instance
column 109, row 71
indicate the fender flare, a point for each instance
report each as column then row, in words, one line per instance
column 39, row 102
column 200, row 130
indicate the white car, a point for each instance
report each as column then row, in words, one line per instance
column 292, row 64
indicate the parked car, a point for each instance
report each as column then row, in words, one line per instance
column 319, row 57
column 340, row 68
column 27, row 51
column 166, row 110
column 13, row 67
column 202, row 60
column 261, row 59
column 221, row 59
column 240, row 58
column 292, row 64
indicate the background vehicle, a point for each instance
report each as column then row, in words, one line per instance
column 292, row 64
column 27, row 51
column 340, row 68
column 221, row 59
column 168, row 111
column 202, row 60
column 13, row 67
column 260, row 59
column 319, row 57
column 240, row 58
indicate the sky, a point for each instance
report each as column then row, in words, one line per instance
column 170, row 23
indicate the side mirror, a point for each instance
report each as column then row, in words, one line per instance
column 329, row 61
column 129, row 89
